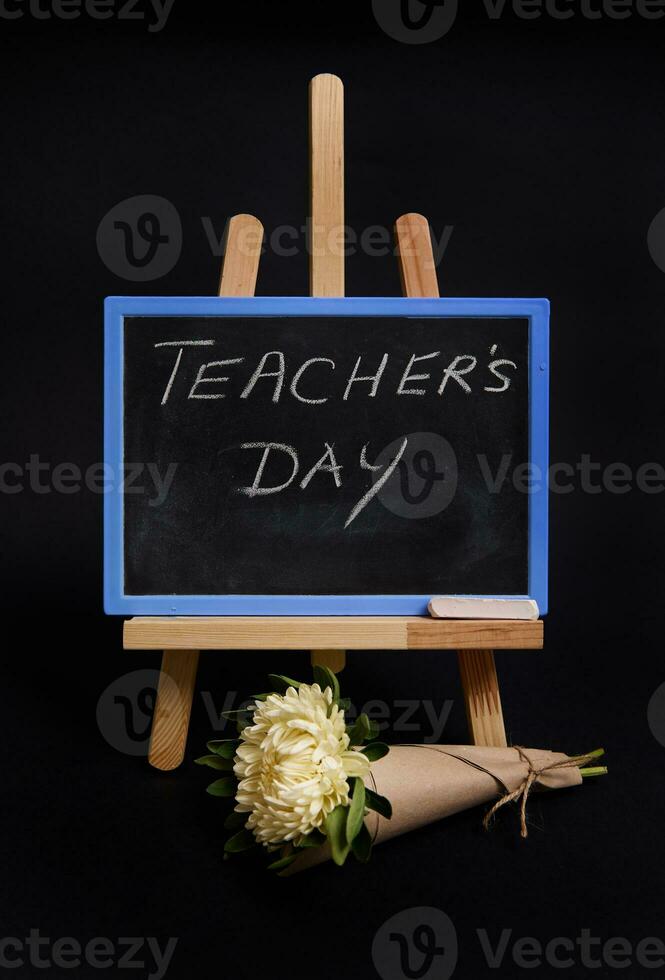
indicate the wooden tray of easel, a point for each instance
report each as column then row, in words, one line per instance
column 328, row 637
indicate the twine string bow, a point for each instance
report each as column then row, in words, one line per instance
column 523, row 791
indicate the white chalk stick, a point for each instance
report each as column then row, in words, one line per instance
column 461, row 607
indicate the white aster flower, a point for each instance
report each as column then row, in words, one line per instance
column 294, row 764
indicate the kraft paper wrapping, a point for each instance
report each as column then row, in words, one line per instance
column 425, row 783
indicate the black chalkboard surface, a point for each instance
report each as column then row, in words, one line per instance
column 388, row 435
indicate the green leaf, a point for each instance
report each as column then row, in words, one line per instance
column 376, row 751
column 243, row 717
column 362, row 845
column 358, row 733
column 371, row 727
column 241, row 841
column 324, row 677
column 226, row 748
column 235, row 820
column 356, row 817
column 214, row 762
column 378, row 803
column 374, row 730
column 260, row 697
column 344, row 704
column 362, row 731
column 283, row 863
column 223, row 787
column 282, row 684
column 314, row 839
column 336, row 831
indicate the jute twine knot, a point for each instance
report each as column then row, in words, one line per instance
column 522, row 793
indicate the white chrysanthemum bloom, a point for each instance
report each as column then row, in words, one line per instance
column 294, row 764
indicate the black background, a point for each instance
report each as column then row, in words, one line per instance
column 543, row 144
column 206, row 538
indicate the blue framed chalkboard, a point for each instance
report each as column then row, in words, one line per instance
column 279, row 456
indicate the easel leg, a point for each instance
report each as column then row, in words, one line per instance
column 334, row 659
column 173, row 708
column 477, row 667
column 244, row 237
column 482, row 698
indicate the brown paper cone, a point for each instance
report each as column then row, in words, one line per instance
column 425, row 783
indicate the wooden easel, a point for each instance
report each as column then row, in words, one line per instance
column 328, row 637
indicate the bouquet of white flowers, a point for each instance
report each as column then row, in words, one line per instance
column 310, row 786
column 297, row 773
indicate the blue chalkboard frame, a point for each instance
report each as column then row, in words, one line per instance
column 116, row 602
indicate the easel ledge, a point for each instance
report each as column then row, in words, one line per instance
column 330, row 633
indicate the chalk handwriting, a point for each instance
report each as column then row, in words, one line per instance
column 502, row 362
column 326, row 464
column 309, row 383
